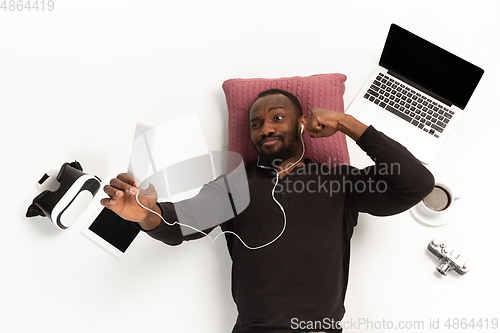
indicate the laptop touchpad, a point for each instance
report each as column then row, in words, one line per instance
column 394, row 128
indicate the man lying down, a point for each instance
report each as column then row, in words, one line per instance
column 285, row 277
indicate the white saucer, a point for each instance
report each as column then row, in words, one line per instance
column 439, row 218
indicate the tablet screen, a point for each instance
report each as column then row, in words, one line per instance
column 114, row 230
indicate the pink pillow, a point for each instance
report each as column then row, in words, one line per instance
column 323, row 90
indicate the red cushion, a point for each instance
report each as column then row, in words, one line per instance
column 323, row 90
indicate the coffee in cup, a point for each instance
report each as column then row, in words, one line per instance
column 438, row 200
column 437, row 208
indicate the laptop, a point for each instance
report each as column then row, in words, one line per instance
column 416, row 94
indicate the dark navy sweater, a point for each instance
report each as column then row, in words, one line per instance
column 302, row 276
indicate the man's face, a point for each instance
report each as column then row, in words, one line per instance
column 274, row 129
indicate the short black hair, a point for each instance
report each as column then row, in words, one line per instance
column 291, row 97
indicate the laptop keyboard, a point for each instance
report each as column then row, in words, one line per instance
column 428, row 115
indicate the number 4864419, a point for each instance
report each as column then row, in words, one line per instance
column 27, row 5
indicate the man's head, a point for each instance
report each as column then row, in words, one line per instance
column 275, row 123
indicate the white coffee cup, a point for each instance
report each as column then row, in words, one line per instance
column 441, row 200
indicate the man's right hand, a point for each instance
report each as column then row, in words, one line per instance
column 323, row 123
column 122, row 191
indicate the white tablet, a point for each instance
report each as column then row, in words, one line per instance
column 111, row 232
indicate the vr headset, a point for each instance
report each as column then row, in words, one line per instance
column 63, row 206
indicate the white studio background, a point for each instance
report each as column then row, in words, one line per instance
column 74, row 81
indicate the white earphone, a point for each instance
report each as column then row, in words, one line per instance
column 302, row 129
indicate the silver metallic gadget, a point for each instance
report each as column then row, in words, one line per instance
column 450, row 258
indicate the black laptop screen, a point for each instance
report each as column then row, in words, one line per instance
column 437, row 71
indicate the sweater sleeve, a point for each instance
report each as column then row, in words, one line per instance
column 211, row 207
column 171, row 233
column 168, row 234
column 396, row 182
